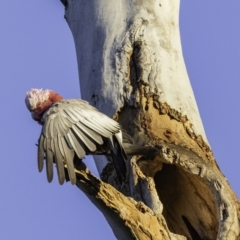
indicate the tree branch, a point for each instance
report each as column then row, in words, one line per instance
column 128, row 219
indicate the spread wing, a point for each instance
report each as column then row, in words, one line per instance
column 71, row 127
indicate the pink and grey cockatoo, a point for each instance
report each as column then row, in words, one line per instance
column 72, row 128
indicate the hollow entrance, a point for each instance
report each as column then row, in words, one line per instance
column 189, row 206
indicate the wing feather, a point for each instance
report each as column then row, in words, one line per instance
column 68, row 156
column 103, row 123
column 87, row 141
column 80, row 151
column 51, row 129
column 68, row 117
column 40, row 153
column 60, row 131
column 95, row 126
column 52, row 145
column 44, row 143
column 60, row 145
column 68, row 142
column 59, row 162
column 72, row 116
column 66, row 120
column 62, row 125
column 106, row 122
column 49, row 157
column 72, row 127
column 89, row 132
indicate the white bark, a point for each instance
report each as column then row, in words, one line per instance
column 105, row 33
column 129, row 55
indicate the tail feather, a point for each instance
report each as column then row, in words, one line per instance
column 119, row 158
column 126, row 137
column 132, row 150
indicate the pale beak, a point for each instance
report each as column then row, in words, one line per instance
column 33, row 117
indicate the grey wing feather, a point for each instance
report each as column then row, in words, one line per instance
column 59, row 129
column 72, row 116
column 60, row 145
column 51, row 129
column 90, row 124
column 59, row 162
column 49, row 157
column 40, row 153
column 86, row 140
column 80, row 151
column 68, row 142
column 68, row 156
column 62, row 125
column 72, row 127
column 96, row 120
column 92, row 134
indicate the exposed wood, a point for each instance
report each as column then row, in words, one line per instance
column 131, row 67
column 129, row 219
column 205, row 190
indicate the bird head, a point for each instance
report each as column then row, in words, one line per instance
column 38, row 101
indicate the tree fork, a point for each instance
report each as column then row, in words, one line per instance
column 128, row 218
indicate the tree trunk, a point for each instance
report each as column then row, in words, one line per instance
column 131, row 68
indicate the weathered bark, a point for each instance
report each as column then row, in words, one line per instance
column 131, row 67
column 128, row 218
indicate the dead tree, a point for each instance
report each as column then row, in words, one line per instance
column 131, row 67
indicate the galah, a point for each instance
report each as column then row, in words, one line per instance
column 72, row 128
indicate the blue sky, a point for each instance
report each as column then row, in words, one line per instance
column 37, row 50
